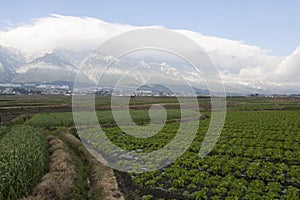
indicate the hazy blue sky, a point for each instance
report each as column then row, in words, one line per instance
column 271, row 24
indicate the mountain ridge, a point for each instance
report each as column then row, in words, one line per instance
column 62, row 65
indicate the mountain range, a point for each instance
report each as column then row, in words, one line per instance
column 50, row 67
column 62, row 66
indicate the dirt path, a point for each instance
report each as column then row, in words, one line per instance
column 69, row 165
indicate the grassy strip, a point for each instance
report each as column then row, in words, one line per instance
column 103, row 182
column 81, row 189
column 19, row 120
column 106, row 118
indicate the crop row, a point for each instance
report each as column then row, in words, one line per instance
column 106, row 117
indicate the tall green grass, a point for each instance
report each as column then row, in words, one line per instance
column 3, row 131
column 23, row 159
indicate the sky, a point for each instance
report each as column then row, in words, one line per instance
column 254, row 44
column 273, row 25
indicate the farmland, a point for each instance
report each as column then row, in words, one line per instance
column 244, row 163
column 256, row 157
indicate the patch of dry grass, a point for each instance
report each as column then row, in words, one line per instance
column 58, row 182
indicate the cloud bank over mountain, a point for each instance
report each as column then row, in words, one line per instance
column 242, row 66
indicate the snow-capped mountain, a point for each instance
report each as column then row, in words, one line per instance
column 63, row 66
column 57, row 66
column 48, row 68
column 10, row 61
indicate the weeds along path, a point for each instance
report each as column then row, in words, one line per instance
column 74, row 173
column 103, row 181
column 59, row 181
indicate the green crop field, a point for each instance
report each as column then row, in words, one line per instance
column 256, row 157
column 104, row 117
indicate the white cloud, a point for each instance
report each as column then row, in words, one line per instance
column 233, row 56
column 57, row 31
column 237, row 61
column 250, row 65
column 290, row 67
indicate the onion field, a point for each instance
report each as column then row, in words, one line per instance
column 23, row 161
